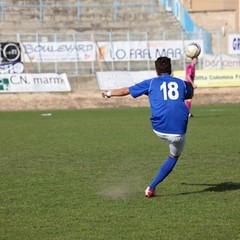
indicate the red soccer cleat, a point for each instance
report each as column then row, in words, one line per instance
column 150, row 192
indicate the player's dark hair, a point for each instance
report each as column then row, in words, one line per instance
column 163, row 65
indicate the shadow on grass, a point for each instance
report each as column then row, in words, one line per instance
column 220, row 187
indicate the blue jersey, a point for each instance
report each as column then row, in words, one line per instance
column 166, row 96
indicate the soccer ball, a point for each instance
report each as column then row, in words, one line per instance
column 192, row 50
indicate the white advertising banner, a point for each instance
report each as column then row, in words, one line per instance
column 142, row 50
column 58, row 51
column 106, row 51
column 221, row 62
column 113, row 80
column 47, row 82
column 234, row 44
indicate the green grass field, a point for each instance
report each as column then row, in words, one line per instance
column 82, row 174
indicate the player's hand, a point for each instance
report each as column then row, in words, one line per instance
column 106, row 94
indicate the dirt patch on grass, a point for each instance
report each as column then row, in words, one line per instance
column 93, row 99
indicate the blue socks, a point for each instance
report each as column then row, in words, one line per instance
column 163, row 172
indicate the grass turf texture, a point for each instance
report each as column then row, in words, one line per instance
column 82, row 174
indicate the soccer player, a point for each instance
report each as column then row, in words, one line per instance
column 190, row 76
column 169, row 114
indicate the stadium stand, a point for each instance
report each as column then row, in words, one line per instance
column 86, row 20
column 30, row 17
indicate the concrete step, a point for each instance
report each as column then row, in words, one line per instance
column 100, row 23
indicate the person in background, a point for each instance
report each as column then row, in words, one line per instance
column 189, row 77
column 169, row 114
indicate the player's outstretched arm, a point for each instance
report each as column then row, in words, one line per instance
column 116, row 92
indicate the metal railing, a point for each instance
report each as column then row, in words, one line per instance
column 77, row 67
column 178, row 10
column 78, row 5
